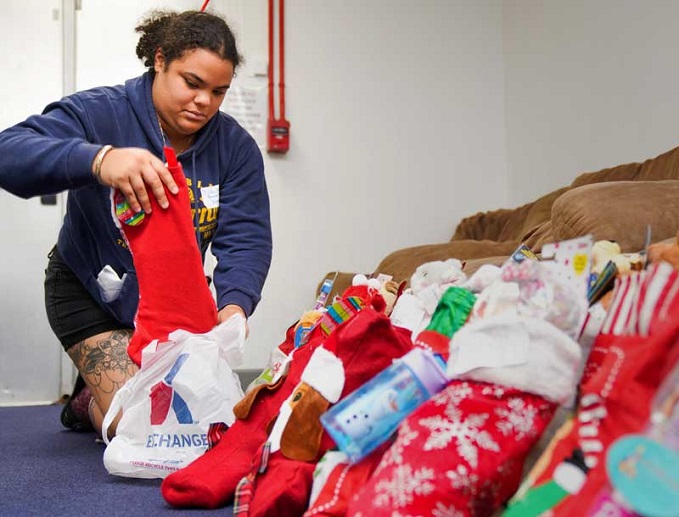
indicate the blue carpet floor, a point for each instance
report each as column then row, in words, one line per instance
column 49, row 471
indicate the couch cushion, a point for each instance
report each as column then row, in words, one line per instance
column 618, row 211
column 538, row 215
column 626, row 172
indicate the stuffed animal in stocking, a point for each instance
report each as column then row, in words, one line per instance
column 416, row 305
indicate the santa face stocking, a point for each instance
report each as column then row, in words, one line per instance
column 173, row 291
column 461, row 453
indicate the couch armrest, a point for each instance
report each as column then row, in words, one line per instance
column 401, row 264
column 618, row 211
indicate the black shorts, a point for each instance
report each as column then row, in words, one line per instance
column 72, row 312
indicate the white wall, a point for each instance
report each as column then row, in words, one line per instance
column 590, row 84
column 397, row 131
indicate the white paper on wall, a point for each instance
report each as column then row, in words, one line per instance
column 246, row 102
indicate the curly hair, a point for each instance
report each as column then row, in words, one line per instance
column 176, row 33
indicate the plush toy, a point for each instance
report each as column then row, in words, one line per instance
column 604, row 251
column 438, row 273
column 608, row 262
column 665, row 251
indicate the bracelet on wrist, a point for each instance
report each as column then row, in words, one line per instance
column 98, row 160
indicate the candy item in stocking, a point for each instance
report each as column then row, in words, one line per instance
column 644, row 476
column 367, row 417
column 460, row 453
column 173, row 291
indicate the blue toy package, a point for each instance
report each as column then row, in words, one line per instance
column 368, row 416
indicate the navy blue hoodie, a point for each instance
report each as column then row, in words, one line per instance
column 53, row 152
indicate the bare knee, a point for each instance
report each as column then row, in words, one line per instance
column 97, row 418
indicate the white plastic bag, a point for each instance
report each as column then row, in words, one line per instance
column 183, row 386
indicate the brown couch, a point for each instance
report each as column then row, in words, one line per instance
column 616, row 203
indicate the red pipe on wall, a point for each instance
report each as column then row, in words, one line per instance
column 270, row 68
column 278, row 130
column 281, row 47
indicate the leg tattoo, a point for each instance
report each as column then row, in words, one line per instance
column 103, row 361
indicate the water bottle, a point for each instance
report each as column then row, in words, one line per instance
column 368, row 416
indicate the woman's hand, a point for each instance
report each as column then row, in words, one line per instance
column 228, row 311
column 131, row 170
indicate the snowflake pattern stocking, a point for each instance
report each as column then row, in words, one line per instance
column 459, row 454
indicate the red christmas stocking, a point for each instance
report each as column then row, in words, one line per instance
column 633, row 353
column 460, row 453
column 173, row 291
column 622, row 391
column 210, row 481
column 280, row 481
column 343, row 482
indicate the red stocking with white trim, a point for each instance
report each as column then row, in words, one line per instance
column 173, row 290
